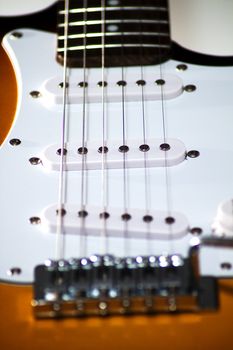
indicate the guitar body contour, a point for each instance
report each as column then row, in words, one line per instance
column 19, row 329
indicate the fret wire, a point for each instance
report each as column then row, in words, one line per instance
column 113, row 21
column 99, row 35
column 109, row 46
column 117, row 8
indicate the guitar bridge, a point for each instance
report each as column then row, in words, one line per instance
column 106, row 285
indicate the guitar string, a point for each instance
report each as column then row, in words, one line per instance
column 125, row 215
column 104, row 178
column 147, row 189
column 83, row 213
column 59, row 251
column 168, row 196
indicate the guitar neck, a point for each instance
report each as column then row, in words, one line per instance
column 127, row 34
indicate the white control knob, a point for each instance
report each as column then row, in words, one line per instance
column 223, row 224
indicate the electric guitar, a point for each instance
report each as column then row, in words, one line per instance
column 115, row 182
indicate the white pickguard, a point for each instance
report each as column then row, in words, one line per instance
column 202, row 120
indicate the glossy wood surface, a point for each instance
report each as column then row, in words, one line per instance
column 8, row 95
column 19, row 330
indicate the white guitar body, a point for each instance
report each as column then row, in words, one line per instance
column 201, row 120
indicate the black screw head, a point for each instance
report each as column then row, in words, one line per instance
column 197, row 231
column 141, row 82
column 190, row 88
column 35, row 94
column 35, row 160
column 61, row 85
column 61, row 212
column 102, row 84
column 181, row 67
column 160, row 82
column 144, row 148
column 82, row 214
column 123, row 149
column 193, row 154
column 103, row 149
column 83, row 84
column 15, row 142
column 126, row 217
column 170, row 220
column 82, row 150
column 59, row 152
column 35, row 220
column 226, row 266
column 14, row 271
column 165, row 147
column 121, row 83
column 16, row 35
column 104, row 215
column 147, row 218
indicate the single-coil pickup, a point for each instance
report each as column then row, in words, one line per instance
column 114, row 155
column 115, row 223
column 154, row 88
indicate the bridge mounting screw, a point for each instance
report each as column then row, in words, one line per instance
column 35, row 94
column 35, row 160
column 181, row 67
column 16, row 35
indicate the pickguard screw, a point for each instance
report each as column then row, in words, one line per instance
column 16, row 35
column 193, row 154
column 196, row 231
column 190, row 88
column 15, row 142
column 181, row 67
column 14, row 271
column 35, row 160
column 35, row 220
column 35, row 94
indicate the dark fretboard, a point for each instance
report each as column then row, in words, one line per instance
column 132, row 32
